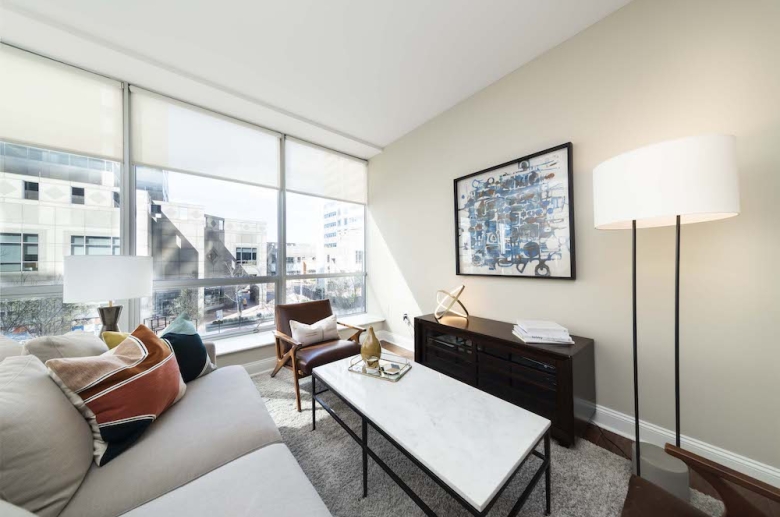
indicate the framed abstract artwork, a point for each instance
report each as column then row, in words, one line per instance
column 517, row 219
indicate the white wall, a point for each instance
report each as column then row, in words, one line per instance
column 656, row 69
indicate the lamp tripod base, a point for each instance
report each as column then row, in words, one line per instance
column 109, row 316
column 661, row 469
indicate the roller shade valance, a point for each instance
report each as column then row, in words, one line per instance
column 313, row 170
column 172, row 135
column 51, row 105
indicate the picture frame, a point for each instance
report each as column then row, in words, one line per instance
column 516, row 219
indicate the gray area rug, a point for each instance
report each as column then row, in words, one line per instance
column 586, row 479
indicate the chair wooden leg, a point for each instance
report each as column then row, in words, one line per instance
column 281, row 362
column 297, row 387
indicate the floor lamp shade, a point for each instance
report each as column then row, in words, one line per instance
column 689, row 180
column 107, row 277
column 694, row 177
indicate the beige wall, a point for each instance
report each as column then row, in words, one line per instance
column 655, row 70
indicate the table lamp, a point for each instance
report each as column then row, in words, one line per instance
column 106, row 277
column 689, row 180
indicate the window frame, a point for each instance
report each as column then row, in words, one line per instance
column 128, row 236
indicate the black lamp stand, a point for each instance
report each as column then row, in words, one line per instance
column 676, row 339
column 677, row 335
column 636, row 367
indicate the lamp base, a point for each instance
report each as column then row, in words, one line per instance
column 109, row 316
column 666, row 471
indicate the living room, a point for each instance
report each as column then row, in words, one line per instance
column 218, row 221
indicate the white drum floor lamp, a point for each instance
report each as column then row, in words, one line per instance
column 103, row 278
column 689, row 180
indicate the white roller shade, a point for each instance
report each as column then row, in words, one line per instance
column 172, row 135
column 51, row 105
column 317, row 171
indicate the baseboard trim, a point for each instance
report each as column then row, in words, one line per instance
column 622, row 424
column 261, row 366
column 396, row 339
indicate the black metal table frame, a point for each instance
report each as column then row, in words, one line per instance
column 544, row 468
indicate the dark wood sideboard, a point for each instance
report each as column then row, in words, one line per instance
column 556, row 382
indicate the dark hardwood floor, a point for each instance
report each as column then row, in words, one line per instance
column 623, row 447
column 408, row 354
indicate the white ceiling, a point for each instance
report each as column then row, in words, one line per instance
column 370, row 70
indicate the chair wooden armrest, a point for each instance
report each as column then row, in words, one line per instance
column 356, row 336
column 284, row 337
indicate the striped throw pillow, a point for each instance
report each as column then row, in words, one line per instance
column 122, row 391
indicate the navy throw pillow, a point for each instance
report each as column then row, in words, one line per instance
column 191, row 355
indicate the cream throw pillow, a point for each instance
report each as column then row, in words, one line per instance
column 323, row 330
column 72, row 344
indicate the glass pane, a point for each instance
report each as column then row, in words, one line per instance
column 53, row 221
column 33, row 317
column 10, row 253
column 346, row 294
column 10, row 237
column 193, row 226
column 215, row 310
column 98, row 241
column 31, row 252
column 324, row 236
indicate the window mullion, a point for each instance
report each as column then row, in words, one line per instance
column 281, row 252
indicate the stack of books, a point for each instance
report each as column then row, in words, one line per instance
column 544, row 332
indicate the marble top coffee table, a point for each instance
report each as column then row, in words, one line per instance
column 471, row 443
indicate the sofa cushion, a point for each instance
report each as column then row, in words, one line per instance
column 9, row 348
column 181, row 325
column 266, row 482
column 72, row 344
column 122, row 391
column 112, row 339
column 221, row 418
column 9, row 510
column 191, row 355
column 310, row 357
column 45, row 444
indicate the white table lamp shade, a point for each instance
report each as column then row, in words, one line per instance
column 108, row 277
column 695, row 178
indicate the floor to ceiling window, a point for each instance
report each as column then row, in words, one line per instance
column 207, row 188
column 200, row 192
column 325, row 218
column 61, row 147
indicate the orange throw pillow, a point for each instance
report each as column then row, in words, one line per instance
column 122, row 391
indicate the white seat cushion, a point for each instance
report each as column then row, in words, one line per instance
column 265, row 482
column 221, row 418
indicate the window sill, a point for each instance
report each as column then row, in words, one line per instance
column 243, row 342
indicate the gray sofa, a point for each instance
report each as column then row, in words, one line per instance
column 216, row 452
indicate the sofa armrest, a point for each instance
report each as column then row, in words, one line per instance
column 211, row 349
